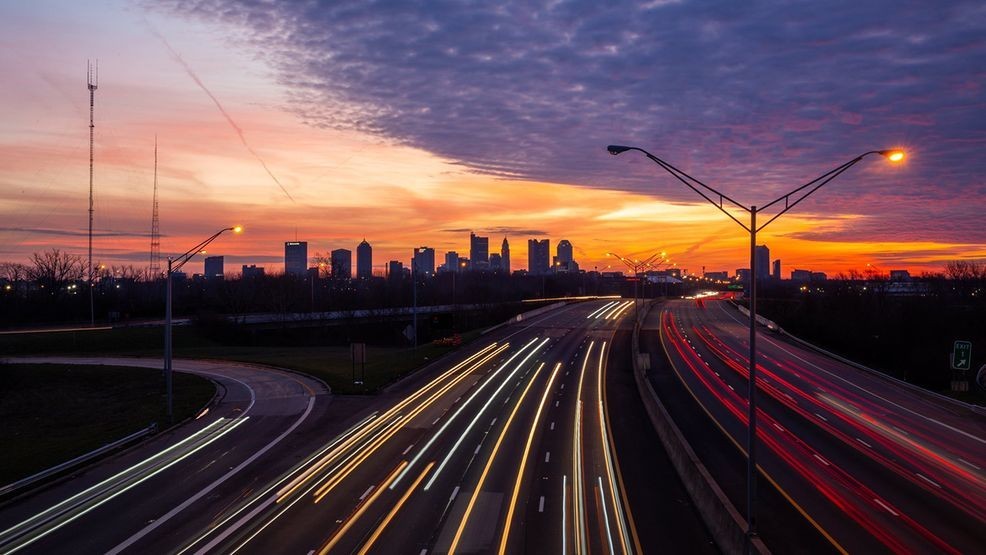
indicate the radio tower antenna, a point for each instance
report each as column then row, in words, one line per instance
column 92, row 79
column 155, row 227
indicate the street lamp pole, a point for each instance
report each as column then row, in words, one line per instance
column 720, row 201
column 175, row 264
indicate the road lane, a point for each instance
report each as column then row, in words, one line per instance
column 868, row 474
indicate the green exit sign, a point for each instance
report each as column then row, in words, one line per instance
column 962, row 355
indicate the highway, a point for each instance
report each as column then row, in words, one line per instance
column 505, row 446
column 850, row 462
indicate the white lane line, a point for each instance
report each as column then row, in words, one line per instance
column 884, row 505
column 825, row 462
column 564, row 516
column 454, row 493
column 926, row 479
column 408, row 449
column 547, row 456
column 556, row 403
column 476, row 452
column 541, row 505
column 969, row 463
column 822, row 417
column 864, row 443
column 562, row 386
column 552, row 425
column 778, row 426
column 436, row 421
column 367, row 492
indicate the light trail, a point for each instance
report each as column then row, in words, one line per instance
column 606, row 315
column 577, row 478
column 609, row 533
column 352, row 520
column 482, row 410
column 621, row 310
column 618, row 512
column 114, row 490
column 564, row 516
column 600, row 309
column 390, row 516
column 489, row 461
column 523, row 461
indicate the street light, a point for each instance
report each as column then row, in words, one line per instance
column 636, row 266
column 175, row 264
column 790, row 199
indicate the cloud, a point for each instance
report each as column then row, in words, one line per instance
column 74, row 233
column 502, row 230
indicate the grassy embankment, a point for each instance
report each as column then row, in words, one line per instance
column 52, row 413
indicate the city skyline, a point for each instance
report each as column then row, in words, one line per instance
column 240, row 144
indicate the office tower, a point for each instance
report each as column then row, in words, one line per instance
column 252, row 271
column 452, row 261
column 743, row 274
column 479, row 251
column 564, row 251
column 802, row 276
column 213, row 267
column 538, row 256
column 424, row 261
column 505, row 256
column 295, row 258
column 395, row 269
column 777, row 270
column 762, row 261
column 342, row 264
column 364, row 260
column 496, row 263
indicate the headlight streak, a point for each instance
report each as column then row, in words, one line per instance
column 359, row 512
column 609, row 533
column 578, row 514
column 618, row 512
column 131, row 482
column 492, row 457
column 564, row 516
column 600, row 309
column 366, row 452
column 367, row 426
column 383, row 524
column 607, row 315
column 734, row 404
column 621, row 310
column 297, row 482
column 455, row 415
column 271, row 500
column 523, row 462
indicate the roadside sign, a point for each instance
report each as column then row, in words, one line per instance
column 962, row 355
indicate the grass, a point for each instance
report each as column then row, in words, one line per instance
column 52, row 413
column 330, row 363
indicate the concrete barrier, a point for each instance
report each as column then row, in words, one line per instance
column 727, row 526
column 524, row 316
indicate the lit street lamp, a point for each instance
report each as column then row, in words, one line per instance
column 790, row 200
column 175, row 264
column 636, row 266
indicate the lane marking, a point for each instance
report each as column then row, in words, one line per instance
column 408, row 449
column 926, row 479
column 882, row 504
column 365, row 493
column 547, row 456
column 541, row 505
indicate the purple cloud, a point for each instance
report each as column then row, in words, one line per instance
column 754, row 98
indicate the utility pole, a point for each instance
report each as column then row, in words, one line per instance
column 92, row 78
column 155, row 227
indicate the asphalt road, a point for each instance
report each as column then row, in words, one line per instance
column 532, row 440
column 849, row 461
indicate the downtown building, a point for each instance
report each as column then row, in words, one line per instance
column 342, row 264
column 364, row 260
column 479, row 252
column 538, row 257
column 296, row 258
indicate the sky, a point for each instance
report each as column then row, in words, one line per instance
column 410, row 123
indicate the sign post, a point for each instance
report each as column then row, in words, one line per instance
column 358, row 351
column 961, row 364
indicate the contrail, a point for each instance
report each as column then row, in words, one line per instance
column 219, row 106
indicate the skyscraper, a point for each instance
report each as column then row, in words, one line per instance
column 496, row 262
column 505, row 256
column 364, row 260
column 424, row 261
column 213, row 267
column 538, row 256
column 395, row 269
column 479, row 251
column 564, row 250
column 777, row 270
column 295, row 258
column 762, row 259
column 342, row 264
column 451, row 261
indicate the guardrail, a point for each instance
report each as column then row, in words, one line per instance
column 34, row 478
column 727, row 526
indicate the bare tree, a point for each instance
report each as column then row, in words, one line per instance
column 13, row 271
column 53, row 269
column 323, row 262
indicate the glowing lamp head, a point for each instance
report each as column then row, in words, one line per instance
column 894, row 155
column 238, row 229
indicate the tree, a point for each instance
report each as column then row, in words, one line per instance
column 13, row 271
column 54, row 269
